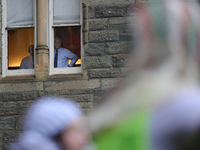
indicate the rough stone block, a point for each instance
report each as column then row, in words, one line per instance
column 119, row 20
column 19, row 96
column 103, row 36
column 76, row 84
column 86, row 104
column 101, row 93
column 118, row 48
column 126, row 37
column 125, row 71
column 64, row 92
column 94, row 49
column 119, row 61
column 21, row 107
column 81, row 98
column 19, row 121
column 81, row 91
column 7, row 108
column 122, row 28
column 21, row 87
column 7, row 123
column 10, row 137
column 85, row 25
column 109, row 83
column 97, row 24
column 85, row 37
column 97, row 62
column 110, row 11
column 91, row 12
column 1, row 140
column 52, row 93
column 104, row 73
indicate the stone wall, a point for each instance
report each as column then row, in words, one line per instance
column 106, row 45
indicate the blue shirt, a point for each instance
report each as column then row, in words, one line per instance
column 63, row 56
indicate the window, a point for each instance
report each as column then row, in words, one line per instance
column 18, row 32
column 65, row 36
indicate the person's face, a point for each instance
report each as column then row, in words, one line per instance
column 70, row 31
column 31, row 51
column 57, row 43
column 75, row 137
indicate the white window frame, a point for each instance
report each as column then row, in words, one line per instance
column 5, row 71
column 66, row 70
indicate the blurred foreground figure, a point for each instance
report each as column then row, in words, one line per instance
column 53, row 123
column 157, row 106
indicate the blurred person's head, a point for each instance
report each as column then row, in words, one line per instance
column 57, row 42
column 53, row 123
column 31, row 50
column 70, row 30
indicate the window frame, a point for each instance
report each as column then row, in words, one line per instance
column 5, row 29
column 51, row 26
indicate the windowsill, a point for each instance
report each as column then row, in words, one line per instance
column 22, row 78
column 65, row 76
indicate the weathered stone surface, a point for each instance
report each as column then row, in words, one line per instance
column 109, row 2
column 86, row 104
column 1, row 140
column 111, row 11
column 7, row 123
column 97, row 24
column 97, row 62
column 81, row 98
column 21, row 87
column 19, row 121
column 98, row 101
column 82, row 91
column 103, row 36
column 94, row 49
column 126, row 37
column 118, row 48
column 21, row 107
column 119, row 60
column 7, row 108
column 85, row 37
column 122, row 28
column 85, row 25
column 19, row 96
column 125, row 71
column 104, row 73
column 9, row 137
column 77, row 84
column 109, row 83
column 119, row 20
column 101, row 93
column 91, row 12
column 45, row 93
column 64, row 92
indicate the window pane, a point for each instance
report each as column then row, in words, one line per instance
column 69, row 48
column 18, row 48
column 19, row 12
column 66, row 11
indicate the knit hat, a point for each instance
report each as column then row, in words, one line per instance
column 45, row 119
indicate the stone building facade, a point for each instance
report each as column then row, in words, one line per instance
column 106, row 44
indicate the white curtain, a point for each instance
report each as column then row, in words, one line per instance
column 19, row 12
column 66, row 11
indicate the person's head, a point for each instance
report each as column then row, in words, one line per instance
column 70, row 30
column 57, row 42
column 55, row 122
column 31, row 50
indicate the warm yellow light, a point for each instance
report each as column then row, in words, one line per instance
column 77, row 63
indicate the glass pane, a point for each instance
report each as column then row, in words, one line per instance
column 67, row 47
column 66, row 11
column 19, row 12
column 20, row 51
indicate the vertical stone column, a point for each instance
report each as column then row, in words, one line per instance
column 42, row 51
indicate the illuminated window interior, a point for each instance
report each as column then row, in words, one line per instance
column 18, row 42
column 70, row 37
